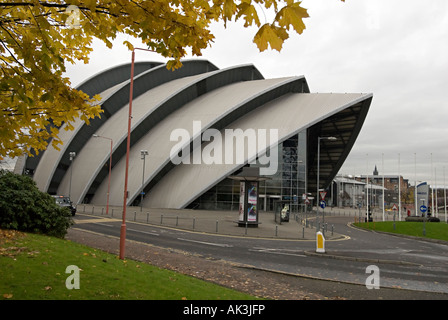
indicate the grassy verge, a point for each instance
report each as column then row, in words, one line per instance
column 33, row 267
column 434, row 230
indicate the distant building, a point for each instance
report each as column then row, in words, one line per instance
column 390, row 181
column 351, row 192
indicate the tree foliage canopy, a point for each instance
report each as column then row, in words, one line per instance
column 37, row 38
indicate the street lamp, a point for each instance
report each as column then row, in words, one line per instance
column 128, row 146
column 318, row 171
column 72, row 157
column 110, row 168
column 143, row 154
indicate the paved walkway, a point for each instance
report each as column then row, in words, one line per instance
column 220, row 222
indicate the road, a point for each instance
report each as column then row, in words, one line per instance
column 403, row 263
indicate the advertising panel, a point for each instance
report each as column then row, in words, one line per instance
column 242, row 194
column 252, row 202
column 422, row 194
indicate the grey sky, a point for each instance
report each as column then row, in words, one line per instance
column 398, row 50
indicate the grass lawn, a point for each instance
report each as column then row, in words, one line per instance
column 32, row 267
column 434, row 230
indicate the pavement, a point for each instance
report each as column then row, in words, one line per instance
column 299, row 227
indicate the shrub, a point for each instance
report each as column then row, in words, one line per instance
column 420, row 219
column 25, row 208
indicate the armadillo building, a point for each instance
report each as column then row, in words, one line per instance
column 199, row 99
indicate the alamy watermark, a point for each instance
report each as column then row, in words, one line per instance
column 73, row 21
column 373, row 280
column 230, row 146
column 73, row 280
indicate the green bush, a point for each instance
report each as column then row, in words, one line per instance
column 23, row 207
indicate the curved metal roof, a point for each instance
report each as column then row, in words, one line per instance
column 214, row 109
column 149, row 109
column 96, row 84
column 51, row 171
column 232, row 98
column 289, row 114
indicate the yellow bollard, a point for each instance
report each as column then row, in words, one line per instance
column 320, row 242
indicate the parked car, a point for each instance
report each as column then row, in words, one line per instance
column 64, row 201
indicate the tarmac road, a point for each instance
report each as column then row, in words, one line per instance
column 402, row 263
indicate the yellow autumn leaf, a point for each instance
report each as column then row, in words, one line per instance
column 270, row 35
column 292, row 15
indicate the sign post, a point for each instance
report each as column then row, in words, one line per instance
column 423, row 210
column 394, row 208
column 323, row 194
column 323, row 204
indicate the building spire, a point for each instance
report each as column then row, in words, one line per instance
column 375, row 172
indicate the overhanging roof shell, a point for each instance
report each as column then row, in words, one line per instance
column 237, row 97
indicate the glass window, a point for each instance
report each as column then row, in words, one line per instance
column 287, row 184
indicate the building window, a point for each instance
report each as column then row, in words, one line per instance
column 288, row 184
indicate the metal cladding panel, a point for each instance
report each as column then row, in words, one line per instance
column 110, row 77
column 208, row 108
column 116, row 99
column 149, row 108
column 51, row 158
column 288, row 114
column 99, row 83
column 95, row 153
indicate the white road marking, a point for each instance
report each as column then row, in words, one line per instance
column 103, row 224
column 278, row 251
column 224, row 245
column 145, row 232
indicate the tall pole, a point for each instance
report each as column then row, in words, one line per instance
column 415, row 183
column 382, row 165
column 317, row 187
column 318, row 173
column 110, row 169
column 72, row 157
column 354, row 187
column 436, row 209
column 367, row 189
column 424, row 220
column 432, row 188
column 399, row 190
column 306, row 184
column 108, row 180
column 126, row 174
column 444, row 194
column 128, row 146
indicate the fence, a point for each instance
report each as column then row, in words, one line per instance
column 219, row 222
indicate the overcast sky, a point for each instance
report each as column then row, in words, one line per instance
column 397, row 50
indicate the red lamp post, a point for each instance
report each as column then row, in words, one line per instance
column 123, row 224
column 110, row 168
